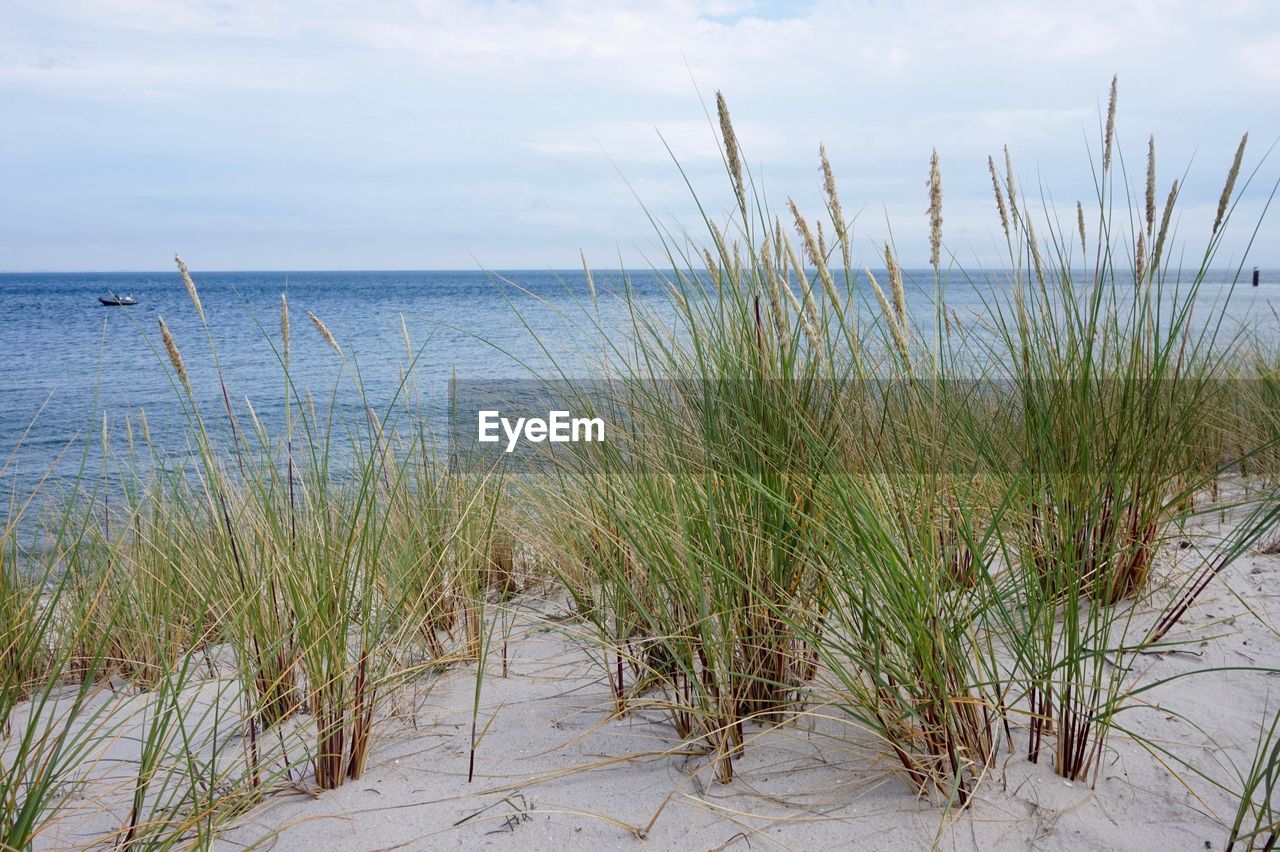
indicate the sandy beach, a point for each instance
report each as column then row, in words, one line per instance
column 556, row 769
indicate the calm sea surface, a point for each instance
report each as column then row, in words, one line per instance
column 69, row 362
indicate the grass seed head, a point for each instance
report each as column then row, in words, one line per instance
column 833, row 197
column 717, row 238
column 190, row 285
column 284, row 327
column 325, row 332
column 1084, row 251
column 995, row 184
column 1110, row 134
column 837, row 212
column 1164, row 224
column 731, row 151
column 1140, row 259
column 713, row 268
column 802, row 280
column 175, row 357
column 895, row 284
column 1013, row 190
column 679, row 298
column 895, row 328
column 816, row 256
column 1034, row 244
column 773, row 288
column 1230, row 185
column 1151, row 184
column 935, row 211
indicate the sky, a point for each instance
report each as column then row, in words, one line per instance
column 274, row 134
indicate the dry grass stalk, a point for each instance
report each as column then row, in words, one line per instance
column 783, row 275
column 1084, row 251
column 833, row 201
column 1140, row 259
column 713, row 268
column 284, row 327
column 766, row 260
column 190, row 285
column 324, row 332
column 1230, row 184
column 817, row 256
column 810, row 313
column 679, row 298
column 731, row 151
column 1151, row 184
column 1013, row 190
column 896, row 288
column 717, row 237
column 175, row 357
column 810, row 332
column 802, row 228
column 1164, row 224
column 829, row 187
column 1111, row 125
column 995, row 184
column 773, row 288
column 935, row 211
column 899, row 339
column 1034, row 245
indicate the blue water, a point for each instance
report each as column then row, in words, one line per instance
column 69, row 363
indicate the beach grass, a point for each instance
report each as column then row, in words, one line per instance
column 943, row 530
column 945, row 524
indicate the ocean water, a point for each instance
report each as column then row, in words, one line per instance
column 70, row 365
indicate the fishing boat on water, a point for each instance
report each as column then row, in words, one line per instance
column 115, row 300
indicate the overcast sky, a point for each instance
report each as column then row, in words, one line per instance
column 269, row 134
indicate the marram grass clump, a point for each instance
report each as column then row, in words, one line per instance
column 934, row 525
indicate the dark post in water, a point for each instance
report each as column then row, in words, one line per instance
column 1255, row 276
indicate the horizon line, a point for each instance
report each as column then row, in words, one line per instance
column 501, row 270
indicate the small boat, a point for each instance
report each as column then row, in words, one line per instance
column 117, row 300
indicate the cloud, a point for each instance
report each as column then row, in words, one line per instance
column 437, row 113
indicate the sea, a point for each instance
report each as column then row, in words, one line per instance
column 72, row 370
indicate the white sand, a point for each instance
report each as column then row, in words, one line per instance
column 554, row 770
